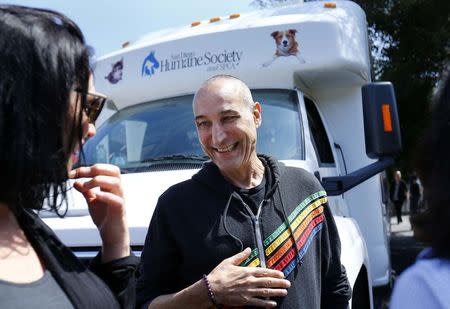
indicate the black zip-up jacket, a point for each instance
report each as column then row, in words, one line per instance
column 200, row 222
column 104, row 285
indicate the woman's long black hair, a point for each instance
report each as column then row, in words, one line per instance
column 43, row 57
column 433, row 166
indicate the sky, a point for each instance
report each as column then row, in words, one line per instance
column 107, row 24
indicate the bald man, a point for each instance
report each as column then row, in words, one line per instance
column 222, row 238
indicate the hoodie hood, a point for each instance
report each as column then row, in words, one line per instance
column 211, row 176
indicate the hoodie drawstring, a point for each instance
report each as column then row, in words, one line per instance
column 225, row 226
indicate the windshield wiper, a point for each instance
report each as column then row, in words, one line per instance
column 177, row 157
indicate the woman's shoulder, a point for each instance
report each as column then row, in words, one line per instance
column 426, row 282
column 428, row 269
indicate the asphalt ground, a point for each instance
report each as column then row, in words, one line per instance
column 404, row 249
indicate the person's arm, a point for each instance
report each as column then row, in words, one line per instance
column 120, row 277
column 104, row 196
column 194, row 296
column 336, row 291
column 231, row 285
column 106, row 203
column 405, row 190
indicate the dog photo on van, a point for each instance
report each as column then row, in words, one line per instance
column 286, row 45
column 116, row 72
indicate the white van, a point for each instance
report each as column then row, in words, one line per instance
column 308, row 65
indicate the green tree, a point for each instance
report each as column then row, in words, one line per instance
column 411, row 48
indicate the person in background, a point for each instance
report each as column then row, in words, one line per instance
column 48, row 106
column 426, row 284
column 415, row 195
column 246, row 230
column 398, row 194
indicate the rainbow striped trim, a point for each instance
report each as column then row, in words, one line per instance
column 280, row 251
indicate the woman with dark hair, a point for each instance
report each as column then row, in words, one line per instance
column 48, row 106
column 426, row 284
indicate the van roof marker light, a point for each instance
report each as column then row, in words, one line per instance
column 329, row 5
column 125, row 44
column 387, row 120
column 233, row 16
column 214, row 19
column 195, row 23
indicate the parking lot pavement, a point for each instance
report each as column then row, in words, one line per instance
column 402, row 229
column 404, row 249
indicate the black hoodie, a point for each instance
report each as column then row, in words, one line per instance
column 200, row 222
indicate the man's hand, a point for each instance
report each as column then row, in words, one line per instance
column 234, row 285
column 104, row 196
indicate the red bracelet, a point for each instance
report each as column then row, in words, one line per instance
column 211, row 296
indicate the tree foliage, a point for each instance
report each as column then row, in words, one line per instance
column 412, row 48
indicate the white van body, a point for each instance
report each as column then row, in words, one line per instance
column 329, row 65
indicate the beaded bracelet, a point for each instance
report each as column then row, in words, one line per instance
column 211, row 296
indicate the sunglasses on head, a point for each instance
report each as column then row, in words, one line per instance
column 93, row 105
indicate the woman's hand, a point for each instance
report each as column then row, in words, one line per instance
column 235, row 285
column 104, row 196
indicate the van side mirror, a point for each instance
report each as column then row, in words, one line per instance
column 381, row 124
column 382, row 134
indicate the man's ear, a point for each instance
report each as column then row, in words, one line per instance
column 257, row 114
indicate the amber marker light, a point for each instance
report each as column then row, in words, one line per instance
column 329, row 5
column 195, row 23
column 214, row 19
column 387, row 121
column 233, row 16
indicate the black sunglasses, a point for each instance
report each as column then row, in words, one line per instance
column 93, row 105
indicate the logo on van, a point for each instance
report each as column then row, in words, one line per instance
column 285, row 45
column 116, row 72
column 212, row 61
column 150, row 64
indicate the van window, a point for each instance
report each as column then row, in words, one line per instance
column 319, row 137
column 280, row 134
column 141, row 134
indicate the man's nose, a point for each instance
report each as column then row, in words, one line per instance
column 218, row 134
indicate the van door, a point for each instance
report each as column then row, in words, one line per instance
column 321, row 150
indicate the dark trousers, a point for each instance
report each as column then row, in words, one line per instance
column 414, row 205
column 398, row 210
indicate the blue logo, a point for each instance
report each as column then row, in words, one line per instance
column 150, row 64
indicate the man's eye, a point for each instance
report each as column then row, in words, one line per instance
column 230, row 118
column 201, row 124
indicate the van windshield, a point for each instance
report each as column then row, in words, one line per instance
column 164, row 131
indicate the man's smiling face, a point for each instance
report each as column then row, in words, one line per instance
column 226, row 124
